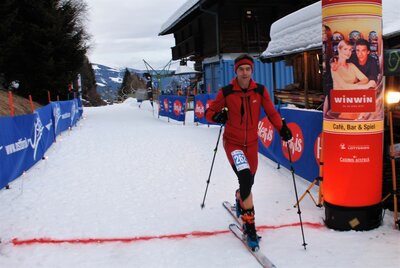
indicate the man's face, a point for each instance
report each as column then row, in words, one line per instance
column 244, row 73
column 362, row 54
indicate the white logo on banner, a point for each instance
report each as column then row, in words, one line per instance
column 66, row 115
column 73, row 112
column 48, row 126
column 38, row 131
column 20, row 145
column 24, row 143
column 57, row 114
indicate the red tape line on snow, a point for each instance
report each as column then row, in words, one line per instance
column 17, row 242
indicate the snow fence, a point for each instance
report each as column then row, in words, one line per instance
column 24, row 139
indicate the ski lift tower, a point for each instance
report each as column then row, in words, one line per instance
column 159, row 74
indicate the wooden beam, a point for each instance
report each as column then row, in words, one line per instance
column 306, row 71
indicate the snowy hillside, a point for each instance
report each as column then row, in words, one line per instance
column 109, row 79
column 124, row 188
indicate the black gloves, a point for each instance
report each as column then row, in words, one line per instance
column 285, row 133
column 221, row 117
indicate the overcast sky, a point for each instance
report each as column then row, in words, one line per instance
column 124, row 32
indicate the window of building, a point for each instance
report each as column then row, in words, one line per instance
column 250, row 28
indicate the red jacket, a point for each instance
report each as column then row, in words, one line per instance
column 244, row 112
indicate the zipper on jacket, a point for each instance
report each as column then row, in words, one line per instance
column 249, row 108
column 241, row 110
column 245, row 119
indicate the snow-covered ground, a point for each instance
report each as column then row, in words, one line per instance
column 124, row 188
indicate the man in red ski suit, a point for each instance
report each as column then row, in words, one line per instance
column 238, row 106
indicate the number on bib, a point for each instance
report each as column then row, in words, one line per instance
column 240, row 160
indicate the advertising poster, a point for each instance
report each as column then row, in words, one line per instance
column 172, row 107
column 304, row 148
column 202, row 102
column 353, row 110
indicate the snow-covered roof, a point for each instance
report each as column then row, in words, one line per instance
column 179, row 14
column 391, row 18
column 302, row 30
column 184, row 69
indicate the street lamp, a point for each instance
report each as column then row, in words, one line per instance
column 393, row 98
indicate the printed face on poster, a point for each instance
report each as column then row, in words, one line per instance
column 353, row 62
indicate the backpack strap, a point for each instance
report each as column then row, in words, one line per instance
column 227, row 90
column 260, row 89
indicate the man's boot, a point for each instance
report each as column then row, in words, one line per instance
column 238, row 204
column 249, row 229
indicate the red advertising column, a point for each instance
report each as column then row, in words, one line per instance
column 353, row 113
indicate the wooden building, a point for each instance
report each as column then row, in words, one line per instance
column 208, row 28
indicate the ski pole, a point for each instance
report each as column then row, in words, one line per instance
column 212, row 164
column 295, row 188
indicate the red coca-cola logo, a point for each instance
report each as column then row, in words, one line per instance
column 177, row 107
column 199, row 110
column 166, row 105
column 318, row 148
column 265, row 132
column 296, row 144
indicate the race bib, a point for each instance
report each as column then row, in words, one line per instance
column 240, row 160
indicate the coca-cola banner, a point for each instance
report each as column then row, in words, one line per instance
column 201, row 103
column 172, row 107
column 306, row 126
column 353, row 108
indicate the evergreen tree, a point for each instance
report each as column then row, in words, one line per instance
column 7, row 39
column 43, row 45
column 88, row 79
column 124, row 88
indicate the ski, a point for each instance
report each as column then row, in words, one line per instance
column 260, row 257
column 232, row 210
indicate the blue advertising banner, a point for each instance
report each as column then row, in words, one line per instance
column 25, row 139
column 201, row 104
column 177, row 108
column 62, row 113
column 306, row 126
column 163, row 108
column 75, row 112
column 45, row 119
column 172, row 107
column 16, row 148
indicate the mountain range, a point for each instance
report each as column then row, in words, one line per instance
column 109, row 80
